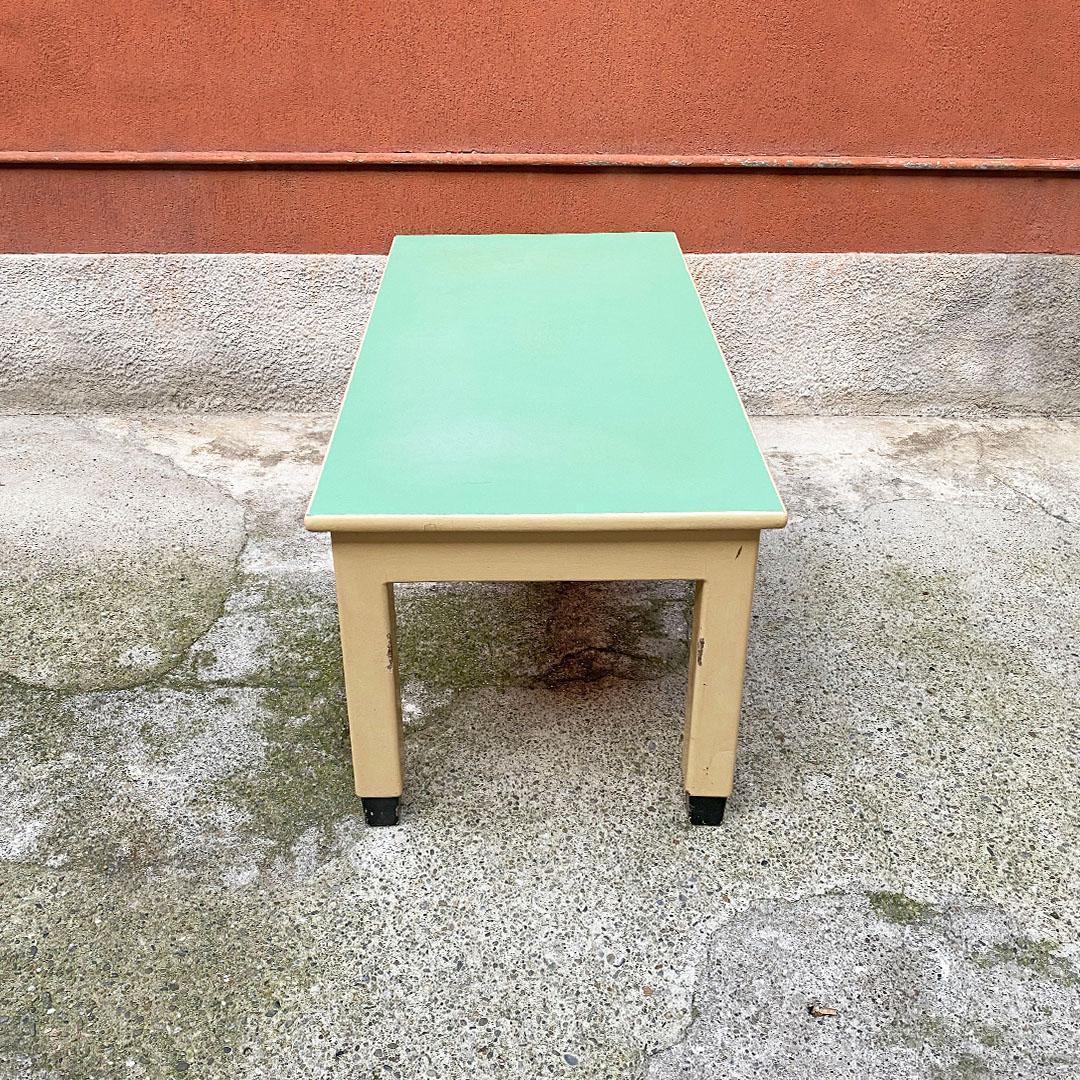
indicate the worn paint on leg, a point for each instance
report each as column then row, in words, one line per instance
column 717, row 659
column 366, row 611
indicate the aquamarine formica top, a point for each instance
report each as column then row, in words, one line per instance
column 547, row 381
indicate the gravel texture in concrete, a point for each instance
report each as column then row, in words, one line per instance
column 135, row 556
column 848, row 333
column 189, row 888
column 880, row 985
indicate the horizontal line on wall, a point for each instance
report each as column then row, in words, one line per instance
column 239, row 159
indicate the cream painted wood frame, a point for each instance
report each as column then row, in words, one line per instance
column 721, row 562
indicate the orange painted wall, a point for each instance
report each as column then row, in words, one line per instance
column 900, row 78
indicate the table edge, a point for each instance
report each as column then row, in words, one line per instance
column 727, row 519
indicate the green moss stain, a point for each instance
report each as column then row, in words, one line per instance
column 77, row 807
column 990, row 1036
column 1038, row 956
column 187, row 771
column 484, row 634
column 945, row 1037
column 968, row 1066
column 925, row 1028
column 897, row 908
column 304, row 784
column 179, row 979
column 122, row 625
column 463, row 638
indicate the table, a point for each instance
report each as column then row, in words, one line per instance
column 542, row 408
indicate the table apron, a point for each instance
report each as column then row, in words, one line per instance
column 545, row 557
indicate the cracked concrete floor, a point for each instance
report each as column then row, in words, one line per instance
column 188, row 888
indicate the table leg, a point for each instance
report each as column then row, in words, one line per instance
column 366, row 614
column 717, row 660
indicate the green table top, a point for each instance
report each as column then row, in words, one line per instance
column 570, row 380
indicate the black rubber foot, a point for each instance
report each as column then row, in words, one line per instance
column 381, row 811
column 706, row 809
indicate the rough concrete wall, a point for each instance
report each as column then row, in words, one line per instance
column 223, row 333
column 950, row 335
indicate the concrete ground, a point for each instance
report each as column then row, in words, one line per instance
column 189, row 889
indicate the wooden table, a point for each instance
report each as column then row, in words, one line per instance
column 542, row 408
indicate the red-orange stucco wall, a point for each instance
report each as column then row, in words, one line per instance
column 883, row 78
